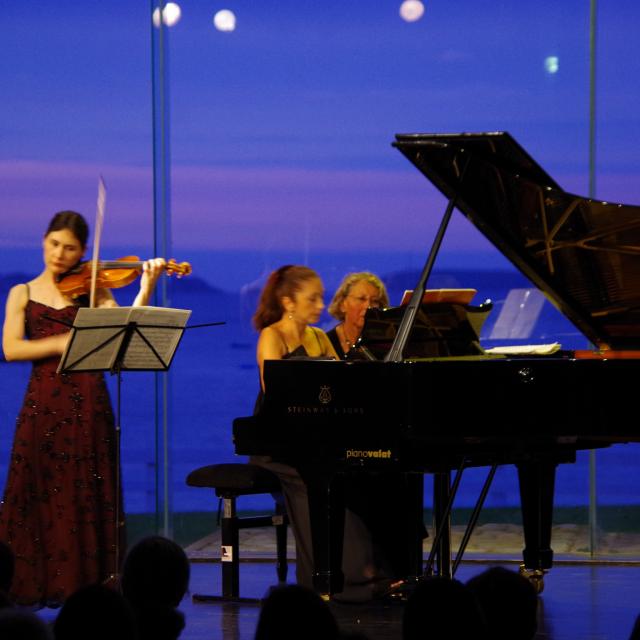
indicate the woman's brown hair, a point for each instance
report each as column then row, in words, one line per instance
column 74, row 222
column 283, row 282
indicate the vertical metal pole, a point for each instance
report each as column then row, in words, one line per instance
column 593, row 500
column 162, row 246
column 118, row 519
column 592, row 98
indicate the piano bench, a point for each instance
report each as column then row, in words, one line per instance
column 230, row 481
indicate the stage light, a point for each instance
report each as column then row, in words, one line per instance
column 552, row 64
column 411, row 10
column 224, row 20
column 170, row 14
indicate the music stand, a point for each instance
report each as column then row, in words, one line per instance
column 123, row 339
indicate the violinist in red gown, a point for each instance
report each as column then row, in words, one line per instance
column 58, row 513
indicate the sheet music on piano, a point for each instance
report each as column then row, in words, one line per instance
column 526, row 349
column 440, row 329
column 459, row 296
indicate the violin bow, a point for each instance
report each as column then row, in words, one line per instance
column 102, row 200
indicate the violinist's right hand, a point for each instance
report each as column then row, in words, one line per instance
column 151, row 271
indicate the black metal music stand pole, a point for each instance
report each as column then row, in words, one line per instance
column 78, row 357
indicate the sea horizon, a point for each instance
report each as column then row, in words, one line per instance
column 214, row 379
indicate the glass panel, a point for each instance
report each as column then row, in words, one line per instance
column 280, row 135
column 162, row 244
column 617, row 485
column 281, row 154
column 76, row 106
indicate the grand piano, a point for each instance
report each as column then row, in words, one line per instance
column 399, row 409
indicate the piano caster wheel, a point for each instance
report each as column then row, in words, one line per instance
column 534, row 576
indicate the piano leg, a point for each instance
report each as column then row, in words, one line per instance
column 442, row 522
column 537, row 482
column 416, row 530
column 327, row 514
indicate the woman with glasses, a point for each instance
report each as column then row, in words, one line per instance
column 384, row 501
column 356, row 293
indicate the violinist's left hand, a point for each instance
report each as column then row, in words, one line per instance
column 151, row 270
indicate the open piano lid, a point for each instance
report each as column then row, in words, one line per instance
column 583, row 254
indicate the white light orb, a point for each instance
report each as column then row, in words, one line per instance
column 552, row 64
column 170, row 15
column 411, row 10
column 224, row 20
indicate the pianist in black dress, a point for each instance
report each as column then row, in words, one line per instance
column 291, row 301
column 356, row 293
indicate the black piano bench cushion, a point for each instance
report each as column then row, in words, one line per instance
column 238, row 478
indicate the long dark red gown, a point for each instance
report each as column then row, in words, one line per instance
column 58, row 512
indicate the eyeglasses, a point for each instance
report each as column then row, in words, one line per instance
column 370, row 302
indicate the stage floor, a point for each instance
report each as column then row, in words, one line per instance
column 579, row 602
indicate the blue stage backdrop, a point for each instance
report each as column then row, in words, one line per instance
column 279, row 141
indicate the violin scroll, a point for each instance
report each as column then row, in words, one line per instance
column 179, row 268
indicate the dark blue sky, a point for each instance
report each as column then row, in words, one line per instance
column 280, row 140
column 281, row 130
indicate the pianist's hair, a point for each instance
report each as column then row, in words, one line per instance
column 345, row 286
column 283, row 282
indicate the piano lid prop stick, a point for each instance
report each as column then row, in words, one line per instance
column 408, row 320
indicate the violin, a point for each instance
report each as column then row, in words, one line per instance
column 111, row 274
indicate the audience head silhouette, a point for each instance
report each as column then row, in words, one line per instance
column 291, row 612
column 95, row 612
column 155, row 577
column 509, row 603
column 440, row 608
column 22, row 625
column 156, row 570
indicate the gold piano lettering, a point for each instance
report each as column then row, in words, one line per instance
column 362, row 454
column 312, row 410
column 308, row 410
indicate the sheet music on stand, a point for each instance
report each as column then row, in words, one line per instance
column 116, row 339
column 124, row 338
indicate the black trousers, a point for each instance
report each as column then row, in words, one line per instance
column 383, row 526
